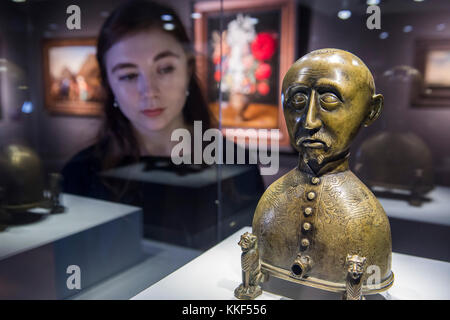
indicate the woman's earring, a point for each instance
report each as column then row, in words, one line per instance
column 115, row 104
column 187, row 93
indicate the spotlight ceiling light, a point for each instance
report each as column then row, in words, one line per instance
column 168, row 26
column 196, row 15
column 166, row 17
column 373, row 2
column 53, row 26
column 440, row 27
column 344, row 14
column 27, row 107
column 407, row 28
column 384, row 35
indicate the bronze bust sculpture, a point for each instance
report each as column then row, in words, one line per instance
column 311, row 220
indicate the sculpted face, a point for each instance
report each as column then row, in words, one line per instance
column 327, row 96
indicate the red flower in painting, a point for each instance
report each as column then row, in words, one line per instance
column 217, row 76
column 216, row 58
column 264, row 45
column 263, row 88
column 263, row 71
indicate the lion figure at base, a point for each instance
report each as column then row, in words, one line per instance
column 251, row 268
column 355, row 269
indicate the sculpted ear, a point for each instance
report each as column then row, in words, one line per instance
column 376, row 106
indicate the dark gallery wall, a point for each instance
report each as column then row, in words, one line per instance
column 14, row 127
column 60, row 136
column 381, row 55
column 24, row 27
column 431, row 124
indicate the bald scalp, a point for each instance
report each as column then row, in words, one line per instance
column 340, row 57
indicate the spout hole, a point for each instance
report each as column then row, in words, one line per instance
column 296, row 269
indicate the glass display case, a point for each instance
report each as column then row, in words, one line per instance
column 138, row 137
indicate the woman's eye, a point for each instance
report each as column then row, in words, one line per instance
column 165, row 70
column 329, row 101
column 128, row 77
column 298, row 101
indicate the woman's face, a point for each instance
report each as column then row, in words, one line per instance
column 148, row 74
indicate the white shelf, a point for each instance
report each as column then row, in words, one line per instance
column 217, row 272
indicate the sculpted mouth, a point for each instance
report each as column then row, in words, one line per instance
column 311, row 143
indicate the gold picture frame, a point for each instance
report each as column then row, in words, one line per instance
column 72, row 81
column 256, row 113
column 432, row 59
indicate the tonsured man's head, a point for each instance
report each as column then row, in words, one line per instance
column 327, row 96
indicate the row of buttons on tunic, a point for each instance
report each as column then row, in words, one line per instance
column 308, row 212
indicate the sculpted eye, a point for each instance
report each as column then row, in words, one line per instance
column 298, row 101
column 329, row 101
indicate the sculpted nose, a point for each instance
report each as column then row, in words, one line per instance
column 312, row 121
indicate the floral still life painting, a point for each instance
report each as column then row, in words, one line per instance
column 246, row 73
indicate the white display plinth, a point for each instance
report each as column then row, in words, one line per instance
column 217, row 272
column 434, row 211
column 100, row 237
column 421, row 231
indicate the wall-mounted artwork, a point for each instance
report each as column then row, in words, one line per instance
column 244, row 54
column 72, row 77
column 433, row 61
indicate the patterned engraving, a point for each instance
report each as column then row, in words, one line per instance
column 346, row 217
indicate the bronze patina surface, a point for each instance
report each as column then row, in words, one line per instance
column 251, row 268
column 22, row 183
column 22, row 180
column 396, row 160
column 310, row 220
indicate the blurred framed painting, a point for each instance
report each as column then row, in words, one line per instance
column 72, row 81
column 433, row 62
column 2, row 71
column 244, row 52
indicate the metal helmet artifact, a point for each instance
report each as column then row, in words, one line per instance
column 319, row 225
column 396, row 160
column 22, row 183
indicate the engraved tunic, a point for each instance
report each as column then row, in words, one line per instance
column 325, row 216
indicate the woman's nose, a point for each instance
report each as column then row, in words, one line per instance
column 312, row 121
column 148, row 86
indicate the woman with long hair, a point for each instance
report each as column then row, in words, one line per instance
column 147, row 67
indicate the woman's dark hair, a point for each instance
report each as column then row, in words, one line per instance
column 132, row 17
